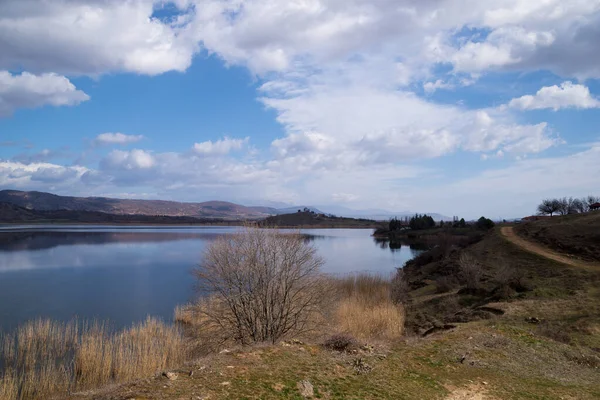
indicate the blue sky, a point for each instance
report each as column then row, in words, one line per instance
column 397, row 105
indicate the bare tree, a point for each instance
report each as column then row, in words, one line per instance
column 577, row 206
column 591, row 200
column 563, row 206
column 471, row 271
column 549, row 206
column 267, row 284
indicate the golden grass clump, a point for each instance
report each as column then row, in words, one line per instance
column 365, row 309
column 147, row 348
column 9, row 386
column 44, row 357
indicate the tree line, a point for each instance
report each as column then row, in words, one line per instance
column 564, row 206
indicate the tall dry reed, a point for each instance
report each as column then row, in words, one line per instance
column 44, row 357
column 365, row 309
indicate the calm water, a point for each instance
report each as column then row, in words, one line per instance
column 124, row 274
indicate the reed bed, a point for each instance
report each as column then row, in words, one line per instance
column 44, row 357
column 359, row 305
column 365, row 309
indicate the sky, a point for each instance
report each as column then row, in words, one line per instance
column 461, row 107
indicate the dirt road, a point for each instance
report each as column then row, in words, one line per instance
column 509, row 233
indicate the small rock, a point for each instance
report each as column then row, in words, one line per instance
column 170, row 375
column 225, row 383
column 484, row 382
column 306, row 389
column 368, row 348
column 360, row 366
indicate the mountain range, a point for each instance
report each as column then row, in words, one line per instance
column 42, row 201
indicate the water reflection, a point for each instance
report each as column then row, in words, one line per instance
column 397, row 245
column 124, row 274
column 38, row 240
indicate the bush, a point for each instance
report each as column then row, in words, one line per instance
column 265, row 284
column 484, row 224
column 444, row 284
column 399, row 287
column 508, row 278
column 471, row 271
column 340, row 342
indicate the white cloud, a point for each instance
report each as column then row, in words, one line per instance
column 331, row 126
column 128, row 160
column 339, row 76
column 524, row 183
column 220, row 147
column 117, row 138
column 567, row 95
column 31, row 91
column 39, row 175
column 431, row 87
column 92, row 37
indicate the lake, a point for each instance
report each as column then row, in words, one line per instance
column 123, row 274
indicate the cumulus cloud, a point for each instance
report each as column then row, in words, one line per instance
column 116, row 138
column 128, row 160
column 339, row 76
column 431, row 87
column 333, row 126
column 567, row 95
column 26, row 90
column 39, row 175
column 92, row 37
column 220, row 147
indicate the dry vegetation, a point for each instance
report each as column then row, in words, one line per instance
column 267, row 287
column 366, row 311
column 259, row 285
column 45, row 357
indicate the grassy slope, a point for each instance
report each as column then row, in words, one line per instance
column 504, row 357
column 577, row 235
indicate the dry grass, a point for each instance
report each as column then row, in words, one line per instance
column 9, row 386
column 45, row 357
column 357, row 305
column 366, row 311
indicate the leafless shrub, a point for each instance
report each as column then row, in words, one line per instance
column 471, row 271
column 263, row 284
column 340, row 342
column 444, row 284
column 508, row 278
column 555, row 331
column 399, row 287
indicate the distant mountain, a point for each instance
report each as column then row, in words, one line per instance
column 211, row 209
column 41, row 201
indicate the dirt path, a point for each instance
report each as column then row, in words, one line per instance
column 509, row 233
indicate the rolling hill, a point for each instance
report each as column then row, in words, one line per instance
column 41, row 201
